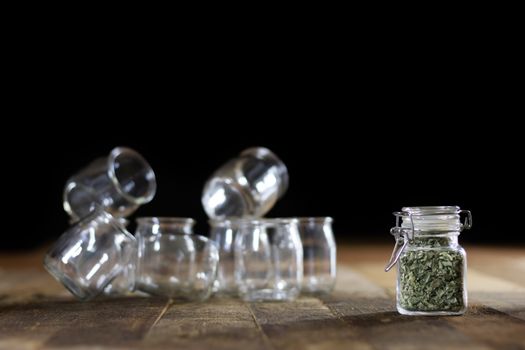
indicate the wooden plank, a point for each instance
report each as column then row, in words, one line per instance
column 26, row 285
column 484, row 289
column 65, row 323
column 376, row 322
column 491, row 327
column 356, row 284
column 510, row 303
column 369, row 310
column 304, row 324
column 506, row 263
column 36, row 312
column 216, row 324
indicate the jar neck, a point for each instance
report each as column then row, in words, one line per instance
column 433, row 240
column 165, row 225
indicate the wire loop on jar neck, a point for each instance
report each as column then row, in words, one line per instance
column 416, row 221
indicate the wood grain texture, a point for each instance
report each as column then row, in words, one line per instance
column 37, row 313
column 218, row 324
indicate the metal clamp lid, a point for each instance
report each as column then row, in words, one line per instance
column 400, row 233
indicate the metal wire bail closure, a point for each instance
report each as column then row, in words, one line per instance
column 401, row 233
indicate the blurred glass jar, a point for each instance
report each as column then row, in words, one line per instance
column 268, row 260
column 248, row 185
column 89, row 255
column 172, row 262
column 120, row 183
column 124, row 283
column 223, row 233
column 319, row 254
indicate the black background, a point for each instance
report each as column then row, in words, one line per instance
column 364, row 128
column 355, row 167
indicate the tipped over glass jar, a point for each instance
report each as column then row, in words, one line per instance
column 431, row 265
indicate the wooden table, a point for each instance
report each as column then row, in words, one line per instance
column 37, row 313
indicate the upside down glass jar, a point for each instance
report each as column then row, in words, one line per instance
column 431, row 265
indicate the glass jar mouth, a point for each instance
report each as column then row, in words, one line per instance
column 431, row 210
column 265, row 154
column 165, row 220
column 232, row 221
column 427, row 219
column 237, row 222
column 115, row 170
column 315, row 219
column 279, row 221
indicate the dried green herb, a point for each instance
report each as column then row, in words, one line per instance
column 431, row 279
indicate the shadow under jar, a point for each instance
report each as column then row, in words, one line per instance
column 173, row 262
column 268, row 260
column 119, row 183
column 89, row 255
column 248, row 185
column 431, row 265
column 319, row 254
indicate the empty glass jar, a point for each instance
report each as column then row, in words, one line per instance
column 124, row 282
column 88, row 256
column 432, row 266
column 223, row 233
column 319, row 254
column 268, row 260
column 248, row 185
column 172, row 262
column 119, row 183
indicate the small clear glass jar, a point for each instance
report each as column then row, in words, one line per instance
column 173, row 262
column 431, row 265
column 124, row 282
column 268, row 260
column 90, row 254
column 319, row 254
column 246, row 186
column 119, row 183
column 224, row 232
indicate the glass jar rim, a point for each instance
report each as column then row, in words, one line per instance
column 265, row 153
column 251, row 220
column 160, row 220
column 152, row 182
column 430, row 210
column 315, row 219
column 433, row 218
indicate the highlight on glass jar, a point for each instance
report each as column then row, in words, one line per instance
column 268, row 260
column 120, row 183
column 90, row 254
column 431, row 265
column 319, row 254
column 248, row 185
column 223, row 233
column 124, row 282
column 172, row 262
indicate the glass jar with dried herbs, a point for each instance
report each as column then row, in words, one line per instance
column 431, row 278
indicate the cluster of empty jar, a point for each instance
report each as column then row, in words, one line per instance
column 246, row 255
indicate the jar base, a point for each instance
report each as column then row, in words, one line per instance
column 430, row 313
column 270, row 295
